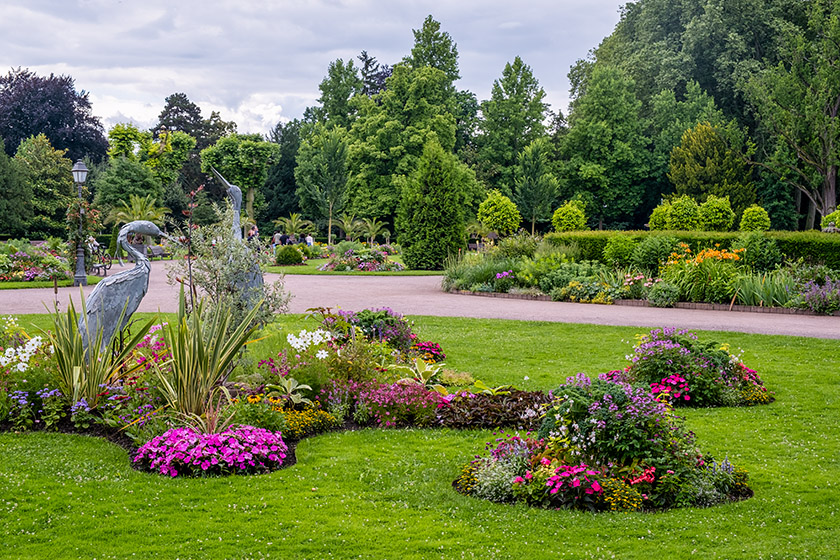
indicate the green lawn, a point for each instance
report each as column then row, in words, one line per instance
column 311, row 267
column 387, row 494
column 45, row 283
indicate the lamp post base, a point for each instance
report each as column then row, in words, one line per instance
column 80, row 278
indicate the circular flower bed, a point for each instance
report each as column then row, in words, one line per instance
column 240, row 450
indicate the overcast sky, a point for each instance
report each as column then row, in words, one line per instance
column 257, row 62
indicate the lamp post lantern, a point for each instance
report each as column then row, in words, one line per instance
column 80, row 172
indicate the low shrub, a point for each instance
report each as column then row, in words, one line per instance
column 705, row 277
column 518, row 245
column 659, row 217
column 309, row 421
column 755, row 218
column 684, row 214
column 663, row 294
column 286, row 255
column 619, row 250
column 716, row 214
column 569, row 217
column 514, row 408
column 240, row 450
column 759, row 252
column 566, row 273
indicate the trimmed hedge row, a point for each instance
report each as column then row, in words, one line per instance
column 813, row 246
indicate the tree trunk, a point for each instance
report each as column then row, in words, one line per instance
column 830, row 192
column 811, row 216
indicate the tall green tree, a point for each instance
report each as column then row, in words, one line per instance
column 512, row 119
column 243, row 159
column 321, row 175
column 16, row 202
column 48, row 173
column 280, row 185
column 799, row 100
column 605, row 150
column 536, row 186
column 704, row 164
column 373, row 74
column 436, row 49
column 430, row 221
column 122, row 178
column 341, row 83
column 387, row 139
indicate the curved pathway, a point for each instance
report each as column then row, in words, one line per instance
column 421, row 295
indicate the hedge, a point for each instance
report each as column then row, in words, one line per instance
column 813, row 246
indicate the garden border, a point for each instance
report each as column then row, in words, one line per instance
column 678, row 305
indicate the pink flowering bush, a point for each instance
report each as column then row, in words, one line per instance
column 387, row 405
column 556, row 485
column 240, row 450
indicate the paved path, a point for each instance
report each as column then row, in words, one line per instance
column 421, row 295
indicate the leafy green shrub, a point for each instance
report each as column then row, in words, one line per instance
column 684, row 214
column 619, row 250
column 258, row 411
column 565, row 273
column 760, row 252
column 569, row 217
column 470, row 269
column 499, row 213
column 834, row 218
column 344, row 246
column 716, row 214
column 532, row 271
column 286, row 255
column 519, row 245
column 663, row 294
column 768, row 289
column 659, row 217
column 755, row 218
column 651, row 252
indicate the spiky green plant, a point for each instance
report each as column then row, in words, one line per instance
column 201, row 355
column 80, row 373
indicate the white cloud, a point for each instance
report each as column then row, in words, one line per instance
column 259, row 62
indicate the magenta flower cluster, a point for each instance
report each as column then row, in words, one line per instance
column 386, row 404
column 240, row 450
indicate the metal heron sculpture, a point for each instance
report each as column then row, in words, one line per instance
column 119, row 295
column 250, row 282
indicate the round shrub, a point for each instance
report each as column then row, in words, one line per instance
column 659, row 217
column 288, row 255
column 519, row 245
column 619, row 250
column 241, row 450
column 663, row 294
column 684, row 214
column 569, row 217
column 755, row 218
column 716, row 214
column 651, row 252
column 499, row 213
column 834, row 218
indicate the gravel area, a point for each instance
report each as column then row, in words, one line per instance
column 421, row 295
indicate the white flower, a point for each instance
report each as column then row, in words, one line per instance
column 22, row 366
column 321, row 354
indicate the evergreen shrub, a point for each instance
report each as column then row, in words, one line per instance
column 684, row 214
column 716, row 214
column 569, row 217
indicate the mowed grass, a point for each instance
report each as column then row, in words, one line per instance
column 13, row 285
column 387, row 494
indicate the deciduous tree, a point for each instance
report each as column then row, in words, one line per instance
column 321, row 175
column 48, row 174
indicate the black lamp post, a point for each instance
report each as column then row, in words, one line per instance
column 80, row 172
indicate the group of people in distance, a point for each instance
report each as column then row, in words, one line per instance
column 279, row 238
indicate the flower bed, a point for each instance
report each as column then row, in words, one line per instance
column 22, row 262
column 242, row 450
column 362, row 260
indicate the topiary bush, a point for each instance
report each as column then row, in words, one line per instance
column 684, row 214
column 755, row 218
column 716, row 214
column 286, row 255
column 569, row 217
column 499, row 213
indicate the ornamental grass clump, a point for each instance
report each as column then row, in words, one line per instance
column 240, row 450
